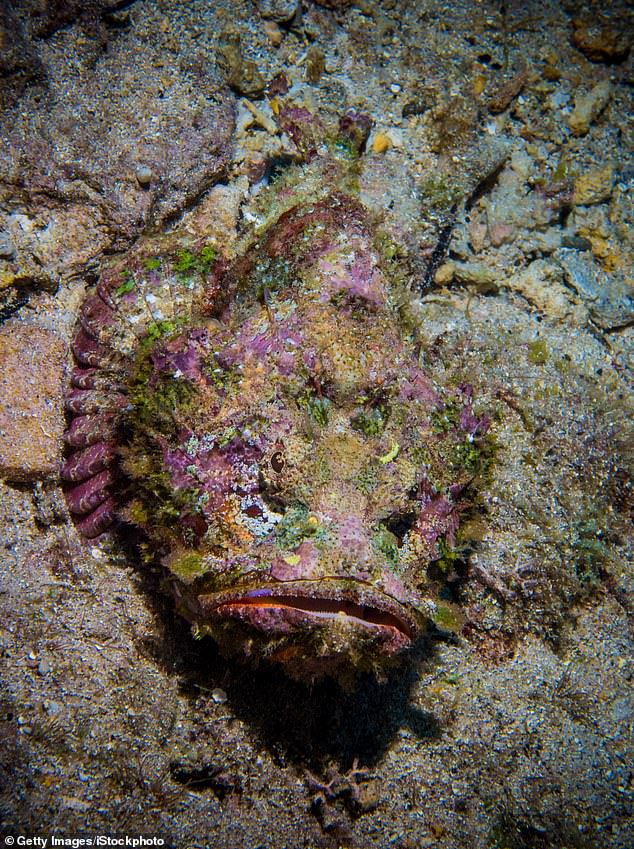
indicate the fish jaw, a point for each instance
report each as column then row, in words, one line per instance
column 314, row 628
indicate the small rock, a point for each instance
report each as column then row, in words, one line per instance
column 598, row 40
column 31, row 420
column 577, row 243
column 242, row 75
column 551, row 72
column 499, row 233
column 315, row 64
column 368, row 797
column 508, row 91
column 588, row 106
column 608, row 297
column 143, row 175
column 445, row 273
column 280, row 11
column 594, row 186
column 476, row 274
column 478, row 84
column 44, row 666
column 273, row 33
column 541, row 283
column 7, row 250
column 218, row 695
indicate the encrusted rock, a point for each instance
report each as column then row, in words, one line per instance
column 542, row 285
column 242, row 75
column 600, row 40
column 609, row 299
column 588, row 106
column 476, row 274
column 7, row 248
column 594, row 186
column 31, row 421
column 280, row 11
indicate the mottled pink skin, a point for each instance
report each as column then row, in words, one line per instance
column 84, row 431
column 470, row 423
column 417, row 386
column 438, row 518
column 280, row 620
column 88, row 351
column 277, row 444
column 359, row 281
column 304, row 568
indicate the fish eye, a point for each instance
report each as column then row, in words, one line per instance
column 277, row 461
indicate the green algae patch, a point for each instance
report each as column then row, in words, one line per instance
column 186, row 565
column 126, row 287
column 446, row 616
column 318, row 409
column 386, row 543
column 538, row 352
column 371, row 422
column 295, row 526
column 188, row 262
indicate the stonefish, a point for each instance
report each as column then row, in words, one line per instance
column 266, row 425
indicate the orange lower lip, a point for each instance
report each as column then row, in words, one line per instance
column 324, row 607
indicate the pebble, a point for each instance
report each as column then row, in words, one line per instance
column 445, row 274
column 44, row 666
column 7, row 250
column 143, row 175
column 219, row 696
column 577, row 243
column 32, row 364
column 468, row 273
column 273, row 33
column 588, row 106
column 508, row 91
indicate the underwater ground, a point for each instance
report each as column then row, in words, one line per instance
column 501, row 150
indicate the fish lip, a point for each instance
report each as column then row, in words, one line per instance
column 323, row 598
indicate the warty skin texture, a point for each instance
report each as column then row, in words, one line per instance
column 267, row 426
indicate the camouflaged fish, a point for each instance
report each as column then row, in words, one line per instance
column 266, row 425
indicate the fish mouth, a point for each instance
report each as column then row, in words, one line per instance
column 294, row 605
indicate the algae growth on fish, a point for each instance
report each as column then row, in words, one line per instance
column 266, row 424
